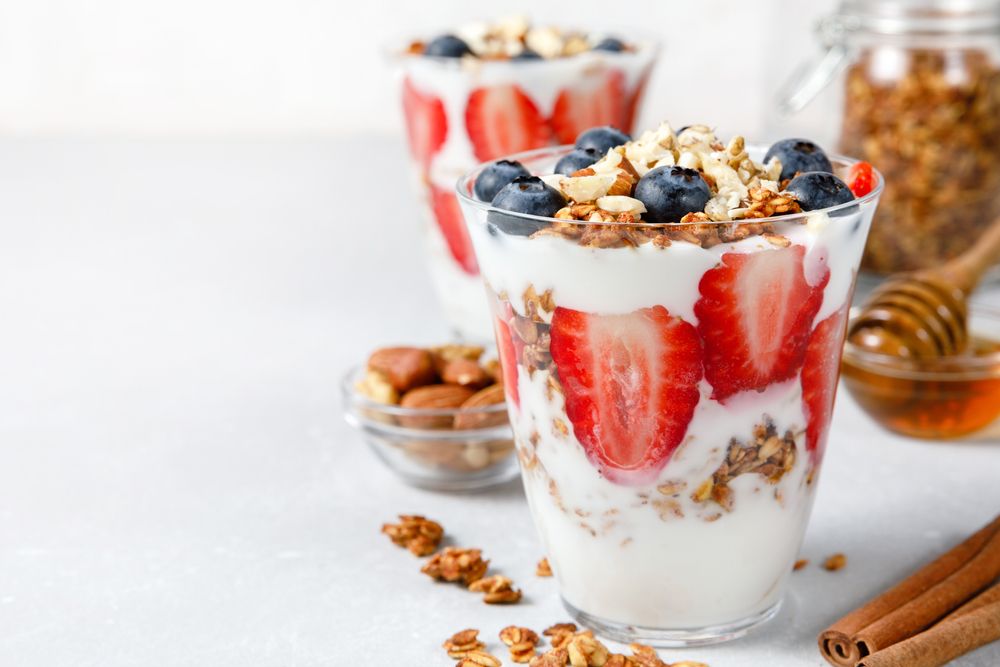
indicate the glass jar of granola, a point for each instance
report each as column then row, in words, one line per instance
column 912, row 86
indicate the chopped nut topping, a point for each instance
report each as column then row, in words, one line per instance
column 835, row 562
column 543, row 569
column 497, row 589
column 421, row 536
column 454, row 564
column 520, row 641
column 460, row 644
column 800, row 563
column 768, row 455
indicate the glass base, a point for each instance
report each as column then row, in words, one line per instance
column 663, row 638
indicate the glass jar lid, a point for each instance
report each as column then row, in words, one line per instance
column 899, row 17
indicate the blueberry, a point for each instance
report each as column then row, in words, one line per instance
column 447, row 46
column 818, row 189
column 492, row 179
column 525, row 194
column 601, row 138
column 610, row 44
column 798, row 155
column 527, row 54
column 578, row 158
column 670, row 192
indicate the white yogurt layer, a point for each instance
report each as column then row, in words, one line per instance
column 615, row 551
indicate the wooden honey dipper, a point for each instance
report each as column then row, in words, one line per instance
column 923, row 314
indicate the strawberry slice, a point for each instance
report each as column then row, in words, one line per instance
column 448, row 214
column 754, row 316
column 426, row 123
column 599, row 99
column 502, row 120
column 508, row 361
column 820, row 371
column 861, row 179
column 631, row 386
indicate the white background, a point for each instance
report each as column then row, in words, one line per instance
column 238, row 67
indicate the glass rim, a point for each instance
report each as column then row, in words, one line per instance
column 394, row 49
column 464, row 185
column 953, row 367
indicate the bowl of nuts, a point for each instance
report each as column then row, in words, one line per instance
column 435, row 416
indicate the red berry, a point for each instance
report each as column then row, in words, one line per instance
column 598, row 100
column 508, row 361
column 502, row 120
column 861, row 179
column 426, row 123
column 630, row 384
column 820, row 371
column 448, row 214
column 754, row 316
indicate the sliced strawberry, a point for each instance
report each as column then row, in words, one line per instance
column 631, row 386
column 448, row 214
column 754, row 316
column 861, row 179
column 508, row 361
column 426, row 123
column 502, row 120
column 820, row 371
column 598, row 99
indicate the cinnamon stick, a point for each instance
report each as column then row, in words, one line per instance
column 837, row 643
column 973, row 625
column 934, row 603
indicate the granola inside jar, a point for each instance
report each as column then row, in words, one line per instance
column 916, row 85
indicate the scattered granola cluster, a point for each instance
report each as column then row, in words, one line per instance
column 570, row 646
column 454, row 386
column 835, row 562
column 768, row 455
column 421, row 536
column 543, row 569
column 513, row 38
column 935, row 133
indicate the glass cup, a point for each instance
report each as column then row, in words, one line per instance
column 459, row 113
column 669, row 474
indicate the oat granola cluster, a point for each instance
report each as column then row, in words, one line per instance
column 513, row 37
column 419, row 535
column 570, row 647
column 934, row 131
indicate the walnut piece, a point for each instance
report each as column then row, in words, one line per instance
column 418, row 534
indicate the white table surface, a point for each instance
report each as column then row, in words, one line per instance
column 177, row 486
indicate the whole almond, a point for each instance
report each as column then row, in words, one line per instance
column 492, row 395
column 438, row 397
column 404, row 367
column 466, row 373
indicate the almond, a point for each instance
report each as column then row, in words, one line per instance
column 436, row 397
column 492, row 395
column 622, row 186
column 404, row 367
column 445, row 353
column 466, row 373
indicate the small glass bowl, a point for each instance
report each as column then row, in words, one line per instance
column 941, row 398
column 436, row 455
